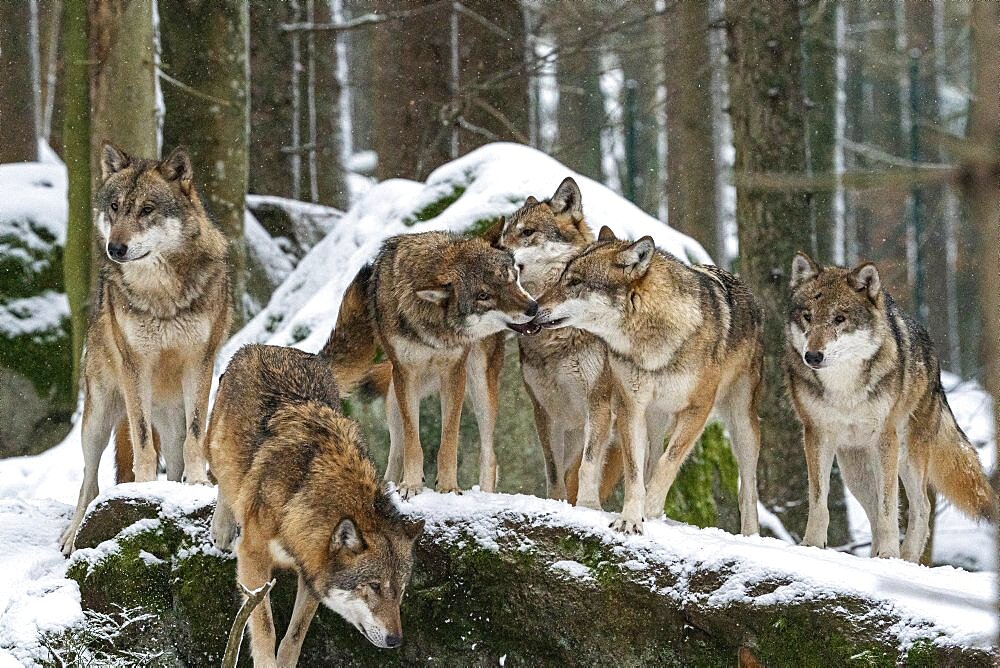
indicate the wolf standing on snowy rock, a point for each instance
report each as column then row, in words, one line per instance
column 866, row 385
column 162, row 312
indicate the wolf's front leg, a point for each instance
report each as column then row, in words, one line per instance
column 138, row 394
column 298, row 626
column 819, row 464
column 408, row 405
column 196, row 384
column 253, row 571
column 632, row 434
column 885, row 533
column 597, row 436
column 452, row 395
column 483, row 382
column 690, row 423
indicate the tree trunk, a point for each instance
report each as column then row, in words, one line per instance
column 493, row 77
column 18, row 132
column 271, row 102
column 690, row 152
column 769, row 135
column 640, row 50
column 76, row 155
column 411, row 61
column 331, row 182
column 982, row 182
column 205, row 46
column 50, row 17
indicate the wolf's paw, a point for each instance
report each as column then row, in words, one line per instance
column 627, row 526
column 408, row 491
column 224, row 533
column 196, row 477
column 449, row 489
column 67, row 541
column 887, row 552
column 593, row 503
column 654, row 512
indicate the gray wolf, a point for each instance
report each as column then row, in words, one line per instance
column 296, row 478
column 866, row 385
column 436, row 304
column 681, row 341
column 565, row 371
column 162, row 312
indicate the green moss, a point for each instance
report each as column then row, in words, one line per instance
column 921, row 654
column 707, row 481
column 202, row 622
column 480, row 226
column 435, row 208
column 299, row 333
column 792, row 639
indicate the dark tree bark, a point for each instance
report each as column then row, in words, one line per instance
column 76, row 155
column 580, row 116
column 982, row 183
column 205, row 47
column 690, row 148
column 412, row 84
column 271, row 99
column 18, row 134
column 769, row 135
column 493, row 77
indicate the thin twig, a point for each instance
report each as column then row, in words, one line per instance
column 193, row 91
column 854, row 180
column 252, row 600
column 364, row 20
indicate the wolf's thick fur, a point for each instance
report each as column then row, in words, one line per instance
column 681, row 340
column 436, row 304
column 296, row 478
column 162, row 312
column 565, row 371
column 866, row 385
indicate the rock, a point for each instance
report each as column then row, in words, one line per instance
column 496, row 579
column 297, row 226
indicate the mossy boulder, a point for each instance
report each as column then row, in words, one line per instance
column 36, row 397
column 500, row 580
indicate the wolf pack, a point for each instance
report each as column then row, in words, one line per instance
column 625, row 351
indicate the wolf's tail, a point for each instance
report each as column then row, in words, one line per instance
column 124, row 472
column 955, row 470
column 352, row 346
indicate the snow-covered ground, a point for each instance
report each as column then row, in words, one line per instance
column 37, row 493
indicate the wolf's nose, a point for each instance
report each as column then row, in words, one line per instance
column 393, row 641
column 814, row 358
column 532, row 309
column 117, row 251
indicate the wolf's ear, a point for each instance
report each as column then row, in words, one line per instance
column 177, row 167
column 493, row 233
column 414, row 529
column 435, row 295
column 803, row 268
column 636, row 258
column 531, row 201
column 866, row 279
column 567, row 199
column 606, row 234
column 113, row 159
column 346, row 536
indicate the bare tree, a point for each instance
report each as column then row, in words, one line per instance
column 768, row 115
column 18, row 132
column 206, row 68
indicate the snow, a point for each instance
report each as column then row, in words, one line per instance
column 37, row 214
column 945, row 601
column 496, row 178
column 35, row 315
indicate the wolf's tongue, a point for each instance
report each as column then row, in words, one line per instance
column 528, row 328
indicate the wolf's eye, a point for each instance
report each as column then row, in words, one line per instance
column 807, row 316
column 114, row 206
column 573, row 282
column 839, row 320
column 483, row 296
column 146, row 210
column 375, row 587
column 527, row 232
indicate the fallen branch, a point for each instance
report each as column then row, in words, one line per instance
column 365, row 20
column 252, row 600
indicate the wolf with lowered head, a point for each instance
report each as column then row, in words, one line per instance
column 866, row 385
column 682, row 340
column 296, row 478
column 434, row 303
column 162, row 312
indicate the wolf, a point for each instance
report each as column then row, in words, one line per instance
column 435, row 304
column 682, row 340
column 296, row 478
column 866, row 386
column 565, row 371
column 162, row 312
